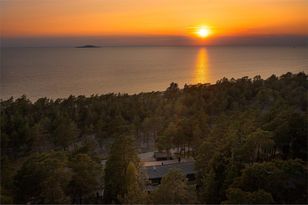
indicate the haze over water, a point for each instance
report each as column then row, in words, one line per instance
column 60, row 72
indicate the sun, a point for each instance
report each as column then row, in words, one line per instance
column 203, row 31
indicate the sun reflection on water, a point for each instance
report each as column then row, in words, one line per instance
column 201, row 73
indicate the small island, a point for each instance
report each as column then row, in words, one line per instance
column 87, row 46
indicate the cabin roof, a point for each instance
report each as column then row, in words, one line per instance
column 156, row 172
column 160, row 155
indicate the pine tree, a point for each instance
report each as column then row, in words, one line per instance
column 174, row 190
column 134, row 193
column 122, row 153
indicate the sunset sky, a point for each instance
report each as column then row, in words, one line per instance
column 130, row 19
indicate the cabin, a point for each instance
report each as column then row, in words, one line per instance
column 161, row 156
column 156, row 173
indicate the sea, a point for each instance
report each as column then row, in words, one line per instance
column 61, row 72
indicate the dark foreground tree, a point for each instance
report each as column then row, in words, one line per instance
column 43, row 178
column 134, row 190
column 86, row 178
column 286, row 181
column 238, row 196
column 122, row 153
column 174, row 190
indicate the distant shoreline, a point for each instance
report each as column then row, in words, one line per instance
column 33, row 99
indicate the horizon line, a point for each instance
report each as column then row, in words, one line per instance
column 153, row 45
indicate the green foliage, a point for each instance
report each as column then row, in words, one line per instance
column 174, row 190
column 40, row 136
column 121, row 155
column 52, row 178
column 213, row 180
column 43, row 179
column 86, row 177
column 134, row 192
column 165, row 141
column 172, row 91
column 238, row 196
column 284, row 180
column 235, row 129
column 65, row 132
column 258, row 147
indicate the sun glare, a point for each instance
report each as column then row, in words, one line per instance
column 203, row 32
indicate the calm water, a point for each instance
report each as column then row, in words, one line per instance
column 60, row 72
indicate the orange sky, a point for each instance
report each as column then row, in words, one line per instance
column 152, row 17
